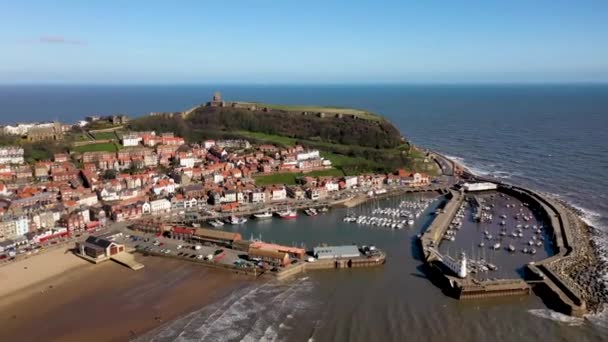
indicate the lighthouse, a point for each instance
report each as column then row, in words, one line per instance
column 462, row 271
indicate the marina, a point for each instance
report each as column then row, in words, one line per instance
column 507, row 235
column 390, row 213
column 466, row 278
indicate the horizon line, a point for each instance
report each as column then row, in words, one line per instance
column 371, row 83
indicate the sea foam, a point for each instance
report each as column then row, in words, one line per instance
column 557, row 317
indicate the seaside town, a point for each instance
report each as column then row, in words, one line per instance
column 155, row 179
column 114, row 192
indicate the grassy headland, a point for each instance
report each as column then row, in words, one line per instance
column 355, row 141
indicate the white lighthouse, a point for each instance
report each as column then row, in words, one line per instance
column 462, row 271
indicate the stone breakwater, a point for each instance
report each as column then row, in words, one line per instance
column 584, row 267
column 581, row 267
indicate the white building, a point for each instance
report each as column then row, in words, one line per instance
column 20, row 129
column 11, row 155
column 151, row 160
column 257, row 196
column 208, row 144
column 22, row 226
column 336, row 252
column 164, row 185
column 350, row 181
column 314, row 154
column 218, row 178
column 130, row 140
column 228, row 197
column 278, row 193
column 160, row 206
column 108, row 195
column 190, row 203
column 86, row 215
column 88, row 200
column 479, row 186
column 187, row 162
column 332, row 186
column 145, row 208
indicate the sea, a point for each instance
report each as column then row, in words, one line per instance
column 552, row 138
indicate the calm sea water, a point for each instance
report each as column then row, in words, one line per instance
column 550, row 138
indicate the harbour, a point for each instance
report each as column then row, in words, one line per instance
column 502, row 215
column 320, row 303
column 461, row 279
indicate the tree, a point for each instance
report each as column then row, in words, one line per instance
column 109, row 174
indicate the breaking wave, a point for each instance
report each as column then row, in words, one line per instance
column 256, row 313
column 557, row 317
column 590, row 217
column 480, row 169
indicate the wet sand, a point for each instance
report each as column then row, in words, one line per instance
column 16, row 277
column 109, row 302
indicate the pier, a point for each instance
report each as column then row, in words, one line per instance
column 559, row 292
column 432, row 236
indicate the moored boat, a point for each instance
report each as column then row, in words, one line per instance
column 216, row 223
column 264, row 215
column 236, row 220
column 288, row 214
column 311, row 212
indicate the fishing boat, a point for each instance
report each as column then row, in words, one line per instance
column 410, row 222
column 496, row 246
column 287, row 214
column 481, row 244
column 236, row 220
column 311, row 212
column 264, row 215
column 215, row 224
column 511, row 248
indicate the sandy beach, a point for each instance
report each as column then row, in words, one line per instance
column 17, row 279
column 105, row 302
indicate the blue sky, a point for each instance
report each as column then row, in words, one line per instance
column 290, row 41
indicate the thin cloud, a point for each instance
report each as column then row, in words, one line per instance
column 60, row 40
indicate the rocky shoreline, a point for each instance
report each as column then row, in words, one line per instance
column 585, row 269
column 585, row 266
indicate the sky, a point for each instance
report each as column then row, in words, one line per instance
column 292, row 41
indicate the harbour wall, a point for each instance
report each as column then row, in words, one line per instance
column 553, row 288
column 557, row 291
column 328, row 264
column 432, row 236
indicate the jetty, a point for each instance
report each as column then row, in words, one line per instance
column 540, row 276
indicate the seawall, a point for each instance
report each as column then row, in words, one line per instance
column 558, row 291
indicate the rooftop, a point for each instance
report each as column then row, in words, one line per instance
column 336, row 251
